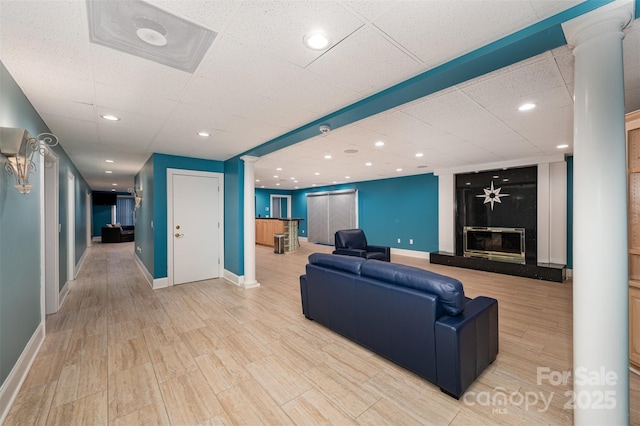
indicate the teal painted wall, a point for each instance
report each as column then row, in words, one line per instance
column 263, row 201
column 162, row 162
column 20, row 232
column 144, row 217
column 19, row 237
column 101, row 216
column 233, row 216
column 388, row 209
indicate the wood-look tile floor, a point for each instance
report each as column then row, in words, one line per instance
column 211, row 353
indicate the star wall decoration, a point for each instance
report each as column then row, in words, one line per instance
column 492, row 195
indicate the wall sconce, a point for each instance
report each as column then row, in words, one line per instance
column 137, row 193
column 17, row 147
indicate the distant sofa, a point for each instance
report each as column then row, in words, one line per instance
column 118, row 233
column 418, row 319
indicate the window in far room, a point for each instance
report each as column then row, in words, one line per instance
column 124, row 211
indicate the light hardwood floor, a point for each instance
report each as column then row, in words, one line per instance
column 211, row 353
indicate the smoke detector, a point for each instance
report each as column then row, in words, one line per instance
column 325, row 128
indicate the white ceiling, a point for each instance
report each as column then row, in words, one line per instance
column 258, row 81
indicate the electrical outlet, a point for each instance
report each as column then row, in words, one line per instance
column 398, row 240
column 151, row 224
column 411, row 241
column 139, row 249
column 303, row 231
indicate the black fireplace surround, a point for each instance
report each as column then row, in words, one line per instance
column 514, row 197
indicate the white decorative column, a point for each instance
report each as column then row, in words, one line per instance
column 249, row 223
column 600, row 284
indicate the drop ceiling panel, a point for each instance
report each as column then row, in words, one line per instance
column 279, row 27
column 516, row 84
column 65, row 19
column 366, row 62
column 131, row 73
column 110, row 97
column 315, row 93
column 253, row 67
column 479, row 19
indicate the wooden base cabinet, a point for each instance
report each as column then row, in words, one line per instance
column 633, row 222
column 265, row 228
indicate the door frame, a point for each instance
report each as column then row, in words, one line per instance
column 193, row 173
column 273, row 197
column 49, row 235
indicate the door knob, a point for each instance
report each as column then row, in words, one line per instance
column 179, row 235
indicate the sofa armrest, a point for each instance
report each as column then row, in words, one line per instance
column 466, row 344
column 304, row 295
column 351, row 252
column 381, row 249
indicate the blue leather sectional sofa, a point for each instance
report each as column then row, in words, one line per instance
column 416, row 318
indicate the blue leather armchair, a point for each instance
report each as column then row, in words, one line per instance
column 352, row 242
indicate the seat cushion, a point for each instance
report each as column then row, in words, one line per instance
column 449, row 290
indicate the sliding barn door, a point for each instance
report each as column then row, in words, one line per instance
column 329, row 212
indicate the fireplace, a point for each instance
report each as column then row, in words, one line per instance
column 495, row 243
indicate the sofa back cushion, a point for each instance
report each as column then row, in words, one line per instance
column 342, row 263
column 449, row 290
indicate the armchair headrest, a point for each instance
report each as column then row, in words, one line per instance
column 351, row 239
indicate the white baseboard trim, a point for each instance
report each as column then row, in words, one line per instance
column 18, row 374
column 410, row 253
column 569, row 273
column 80, row 263
column 147, row 274
column 233, row 278
column 63, row 294
column 160, row 283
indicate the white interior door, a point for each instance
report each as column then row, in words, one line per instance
column 195, row 228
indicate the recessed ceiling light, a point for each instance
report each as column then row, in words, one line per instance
column 151, row 32
column 108, row 161
column 278, row 168
column 505, row 180
column 496, row 176
column 316, row 40
column 313, row 184
column 317, row 173
column 399, row 169
column 347, row 177
column 114, row 184
column 379, row 144
column 275, row 176
column 327, row 157
column 204, row 134
column 257, row 180
column 108, row 171
column 110, row 117
column 563, row 146
column 526, row 107
column 295, row 187
column 113, row 190
column 292, row 178
column 277, row 184
column 368, row 163
column 419, row 154
column 295, row 181
column 262, row 186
